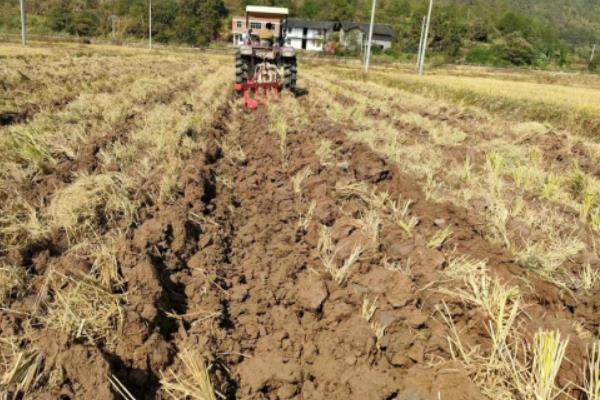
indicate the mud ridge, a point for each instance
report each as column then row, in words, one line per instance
column 547, row 307
column 86, row 160
column 155, row 261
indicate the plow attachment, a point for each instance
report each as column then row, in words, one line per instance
column 254, row 93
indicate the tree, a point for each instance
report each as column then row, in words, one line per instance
column 394, row 9
column 353, row 40
column 512, row 22
column 515, row 49
column 85, row 23
column 60, row 17
column 447, row 31
column 198, row 21
column 337, row 10
column 164, row 14
column 479, row 31
column 309, row 9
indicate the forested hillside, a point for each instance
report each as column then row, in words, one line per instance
column 539, row 32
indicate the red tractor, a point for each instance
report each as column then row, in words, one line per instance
column 264, row 64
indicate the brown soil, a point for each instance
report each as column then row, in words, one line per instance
column 227, row 269
column 19, row 98
column 11, row 117
column 87, row 161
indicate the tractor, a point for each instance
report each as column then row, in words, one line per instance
column 264, row 64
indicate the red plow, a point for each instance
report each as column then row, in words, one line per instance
column 253, row 93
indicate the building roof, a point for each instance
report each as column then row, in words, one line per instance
column 378, row 29
column 267, row 10
column 297, row 23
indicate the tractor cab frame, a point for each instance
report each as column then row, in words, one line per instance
column 263, row 62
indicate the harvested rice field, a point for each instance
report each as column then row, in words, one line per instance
column 382, row 237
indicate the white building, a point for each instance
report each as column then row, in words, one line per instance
column 308, row 35
column 314, row 35
column 261, row 19
column 354, row 35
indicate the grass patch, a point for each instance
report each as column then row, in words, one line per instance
column 13, row 283
column 84, row 308
column 21, row 369
column 91, row 201
column 339, row 273
column 192, row 381
column 563, row 106
column 592, row 372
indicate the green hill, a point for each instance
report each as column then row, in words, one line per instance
column 578, row 21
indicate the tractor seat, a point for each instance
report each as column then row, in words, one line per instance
column 266, row 39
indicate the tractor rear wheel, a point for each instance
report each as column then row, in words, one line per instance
column 290, row 73
column 241, row 68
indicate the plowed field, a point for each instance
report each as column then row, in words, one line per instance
column 361, row 239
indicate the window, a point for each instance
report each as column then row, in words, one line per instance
column 255, row 25
column 238, row 24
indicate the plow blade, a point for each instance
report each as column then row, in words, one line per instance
column 254, row 93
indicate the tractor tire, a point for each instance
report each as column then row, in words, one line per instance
column 290, row 74
column 241, row 68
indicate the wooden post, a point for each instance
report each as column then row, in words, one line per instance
column 368, row 54
column 421, row 44
column 23, row 24
column 426, row 38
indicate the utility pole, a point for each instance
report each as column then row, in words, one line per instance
column 23, row 24
column 150, row 24
column 421, row 44
column 426, row 38
column 362, row 51
column 368, row 54
column 113, row 19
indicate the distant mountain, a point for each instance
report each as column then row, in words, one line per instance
column 578, row 21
